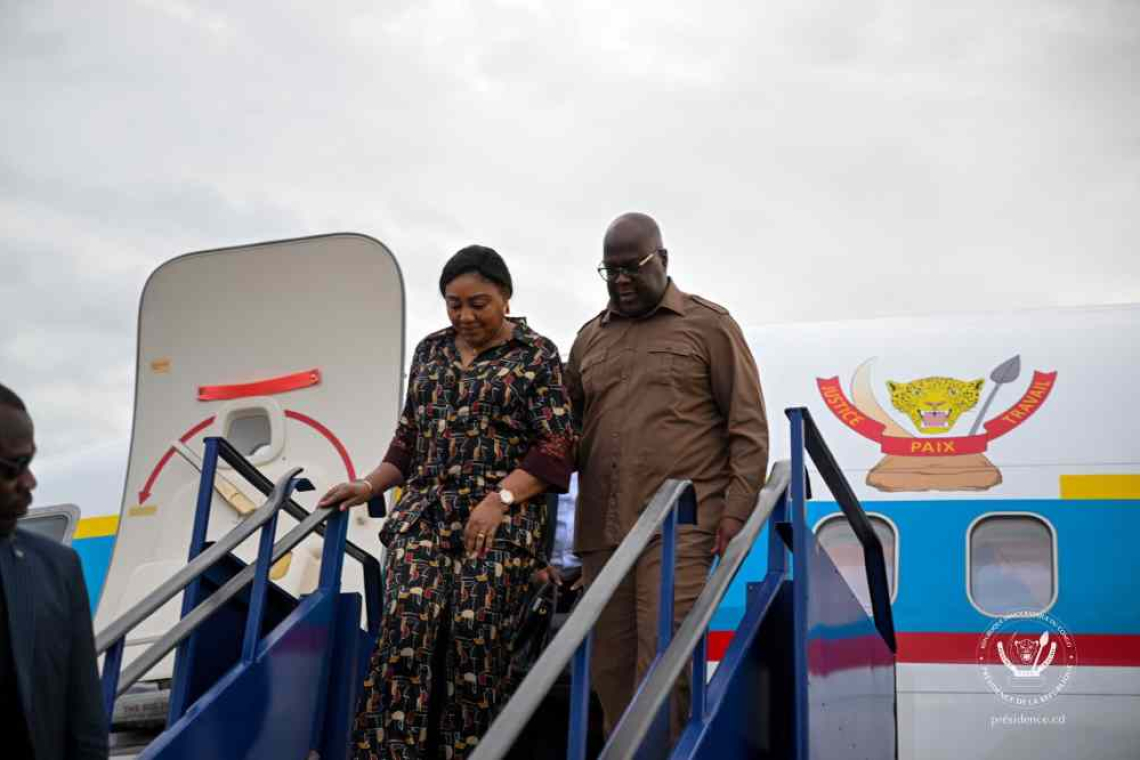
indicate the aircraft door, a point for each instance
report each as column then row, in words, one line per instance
column 293, row 351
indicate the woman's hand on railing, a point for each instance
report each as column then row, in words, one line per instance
column 347, row 495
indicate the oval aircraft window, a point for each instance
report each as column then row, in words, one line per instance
column 1012, row 564
column 835, row 535
column 52, row 526
column 56, row 522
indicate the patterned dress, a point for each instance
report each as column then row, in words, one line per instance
column 440, row 670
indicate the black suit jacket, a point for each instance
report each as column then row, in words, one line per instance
column 53, row 648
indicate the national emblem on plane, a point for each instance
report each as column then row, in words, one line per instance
column 929, row 459
column 1034, row 654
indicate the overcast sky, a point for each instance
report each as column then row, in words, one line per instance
column 807, row 159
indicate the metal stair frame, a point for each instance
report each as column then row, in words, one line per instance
column 325, row 620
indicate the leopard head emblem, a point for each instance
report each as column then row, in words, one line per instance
column 934, row 404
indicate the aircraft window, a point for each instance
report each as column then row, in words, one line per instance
column 56, row 523
column 835, row 535
column 53, row 526
column 1012, row 564
column 249, row 432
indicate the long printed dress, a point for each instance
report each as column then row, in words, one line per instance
column 439, row 672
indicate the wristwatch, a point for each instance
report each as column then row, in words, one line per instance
column 507, row 497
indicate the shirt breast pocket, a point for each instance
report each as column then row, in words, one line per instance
column 677, row 366
column 597, row 373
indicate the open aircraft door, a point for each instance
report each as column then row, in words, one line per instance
column 292, row 350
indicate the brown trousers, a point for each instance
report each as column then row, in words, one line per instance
column 625, row 638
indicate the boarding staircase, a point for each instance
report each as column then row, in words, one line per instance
column 258, row 673
column 808, row 674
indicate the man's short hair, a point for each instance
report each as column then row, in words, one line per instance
column 9, row 399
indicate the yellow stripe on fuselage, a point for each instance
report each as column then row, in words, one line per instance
column 95, row 527
column 1100, row 486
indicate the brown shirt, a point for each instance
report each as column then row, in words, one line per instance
column 673, row 394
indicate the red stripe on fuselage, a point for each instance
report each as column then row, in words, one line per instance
column 1094, row 649
column 1119, row 650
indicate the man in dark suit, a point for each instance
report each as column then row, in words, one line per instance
column 51, row 707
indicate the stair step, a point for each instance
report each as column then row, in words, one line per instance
column 142, row 709
column 130, row 744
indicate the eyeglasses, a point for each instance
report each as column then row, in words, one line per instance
column 609, row 274
column 14, row 468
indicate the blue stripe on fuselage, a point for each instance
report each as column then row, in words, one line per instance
column 95, row 555
column 1096, row 559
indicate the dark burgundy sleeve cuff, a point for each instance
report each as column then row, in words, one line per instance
column 550, row 463
column 399, row 457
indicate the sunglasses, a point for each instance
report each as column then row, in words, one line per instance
column 14, row 468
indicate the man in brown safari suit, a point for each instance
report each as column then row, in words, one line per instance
column 663, row 386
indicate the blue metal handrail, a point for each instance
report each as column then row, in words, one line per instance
column 369, row 565
column 673, row 504
column 690, row 641
column 782, row 505
column 112, row 640
column 195, row 610
column 804, row 428
column 805, row 436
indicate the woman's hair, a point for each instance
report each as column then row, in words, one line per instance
column 479, row 259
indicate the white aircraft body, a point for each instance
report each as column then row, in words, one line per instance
column 996, row 454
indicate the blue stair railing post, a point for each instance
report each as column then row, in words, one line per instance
column 332, row 554
column 668, row 566
column 112, row 662
column 800, row 575
column 698, row 701
column 699, row 695
column 658, row 739
column 777, row 549
column 332, row 565
column 184, row 659
column 259, row 589
column 580, row 700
